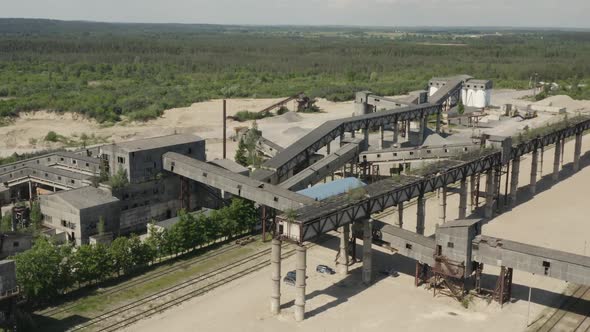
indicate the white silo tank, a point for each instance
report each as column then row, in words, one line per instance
column 480, row 99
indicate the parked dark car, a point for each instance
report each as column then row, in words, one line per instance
column 325, row 269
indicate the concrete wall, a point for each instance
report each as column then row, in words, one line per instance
column 7, row 276
column 455, row 244
column 79, row 224
column 537, row 260
column 13, row 243
column 145, row 165
column 417, row 153
column 152, row 200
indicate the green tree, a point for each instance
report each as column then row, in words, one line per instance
column 120, row 254
column 240, row 156
column 156, row 241
column 36, row 216
column 91, row 264
column 141, row 254
column 460, row 107
column 43, row 271
column 6, row 223
column 119, row 180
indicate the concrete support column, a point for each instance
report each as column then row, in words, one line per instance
column 328, row 148
column 300, row 266
column 30, row 190
column 408, row 126
column 472, row 188
column 341, row 137
column 514, row 181
column 534, row 163
column 556, row 160
column 381, row 137
column 366, row 137
column 367, row 252
column 400, row 215
column 577, row 152
column 562, row 151
column 442, row 205
column 422, row 130
column 489, row 209
column 420, row 214
column 463, row 199
column 275, row 261
column 342, row 263
column 395, row 132
column 438, row 121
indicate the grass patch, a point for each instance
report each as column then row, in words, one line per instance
column 98, row 302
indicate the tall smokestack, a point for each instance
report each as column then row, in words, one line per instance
column 224, row 129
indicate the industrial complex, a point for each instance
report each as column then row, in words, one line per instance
column 336, row 178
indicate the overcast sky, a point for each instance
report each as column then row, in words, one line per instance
column 517, row 13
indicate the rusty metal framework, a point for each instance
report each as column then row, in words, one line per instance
column 502, row 292
column 185, row 194
column 449, row 277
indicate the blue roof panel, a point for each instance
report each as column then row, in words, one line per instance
column 337, row 187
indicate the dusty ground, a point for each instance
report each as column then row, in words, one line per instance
column 343, row 304
column 204, row 119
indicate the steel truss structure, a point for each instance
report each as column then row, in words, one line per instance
column 324, row 217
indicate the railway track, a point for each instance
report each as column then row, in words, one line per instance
column 572, row 316
column 52, row 312
column 132, row 312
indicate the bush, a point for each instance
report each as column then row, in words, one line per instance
column 52, row 136
column 282, row 110
column 242, row 116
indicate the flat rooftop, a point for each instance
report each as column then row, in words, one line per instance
column 158, row 142
column 86, row 197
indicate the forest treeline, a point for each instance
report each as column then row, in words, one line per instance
column 108, row 71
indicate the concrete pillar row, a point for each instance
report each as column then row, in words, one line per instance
column 367, row 252
column 489, row 208
column 534, row 163
column 275, row 261
column 577, row 152
column 342, row 262
column 420, row 214
column 395, row 132
column 556, row 160
column 300, row 267
column 442, row 205
column 400, row 215
column 463, row 199
column 514, row 181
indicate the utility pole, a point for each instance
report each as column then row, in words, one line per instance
column 224, row 129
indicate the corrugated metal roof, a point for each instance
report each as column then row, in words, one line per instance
column 333, row 188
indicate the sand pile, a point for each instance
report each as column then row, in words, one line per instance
column 565, row 101
column 289, row 117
